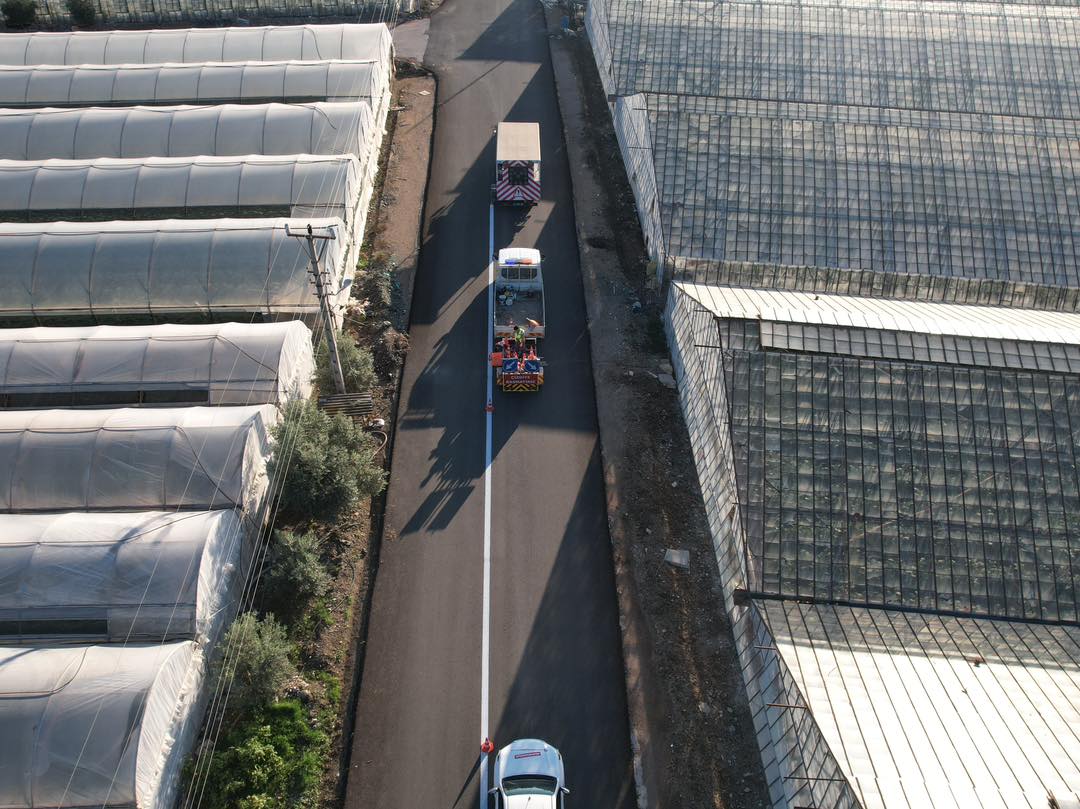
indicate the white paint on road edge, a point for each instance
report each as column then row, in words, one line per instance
column 485, row 644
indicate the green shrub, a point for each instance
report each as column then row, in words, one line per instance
column 272, row 761
column 329, row 464
column 18, row 13
column 357, row 367
column 251, row 774
column 296, row 576
column 258, row 654
column 82, row 12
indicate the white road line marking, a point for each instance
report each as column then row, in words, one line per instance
column 485, row 644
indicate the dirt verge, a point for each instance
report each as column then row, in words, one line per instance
column 392, row 240
column 693, row 739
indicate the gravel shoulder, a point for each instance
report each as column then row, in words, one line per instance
column 693, row 739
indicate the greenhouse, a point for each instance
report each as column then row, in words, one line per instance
column 889, row 485
column 204, row 83
column 901, row 138
column 122, row 366
column 270, row 43
column 101, row 726
column 186, row 131
column 135, row 459
column 145, row 272
column 115, row 577
column 250, row 186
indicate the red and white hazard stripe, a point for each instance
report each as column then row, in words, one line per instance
column 507, row 192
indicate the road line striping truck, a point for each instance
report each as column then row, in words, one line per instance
column 517, row 164
column 519, row 320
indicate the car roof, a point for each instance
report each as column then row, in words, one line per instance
column 530, row 757
column 511, row 253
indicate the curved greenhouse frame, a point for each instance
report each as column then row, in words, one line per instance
column 120, row 577
column 146, row 272
column 185, row 131
column 119, row 366
column 104, row 726
column 134, row 459
column 239, row 44
column 250, row 186
column 202, row 83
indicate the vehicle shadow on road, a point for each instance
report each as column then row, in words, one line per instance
column 568, row 689
column 445, row 394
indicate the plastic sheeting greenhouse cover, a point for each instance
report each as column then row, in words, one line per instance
column 228, row 363
column 159, row 269
column 134, row 459
column 119, row 577
column 255, row 44
column 107, row 188
column 89, row 725
column 187, row 131
column 206, row 83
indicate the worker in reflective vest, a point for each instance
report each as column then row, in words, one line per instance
column 519, row 339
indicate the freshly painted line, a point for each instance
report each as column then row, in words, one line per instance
column 485, row 644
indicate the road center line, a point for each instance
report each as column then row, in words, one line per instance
column 485, row 645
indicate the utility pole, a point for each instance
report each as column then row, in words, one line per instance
column 321, row 282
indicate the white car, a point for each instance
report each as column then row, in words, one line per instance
column 529, row 772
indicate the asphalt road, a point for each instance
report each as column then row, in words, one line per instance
column 555, row 664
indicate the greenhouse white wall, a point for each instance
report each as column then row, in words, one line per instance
column 120, row 577
column 170, row 364
column 186, row 131
column 269, row 43
column 135, row 459
column 102, row 726
column 220, row 269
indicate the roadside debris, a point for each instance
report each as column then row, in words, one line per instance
column 680, row 559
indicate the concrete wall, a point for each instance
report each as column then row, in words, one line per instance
column 799, row 767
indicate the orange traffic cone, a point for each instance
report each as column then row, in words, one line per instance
column 487, row 746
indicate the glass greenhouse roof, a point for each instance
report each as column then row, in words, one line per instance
column 913, row 484
column 851, row 187
column 948, row 712
column 932, row 139
column 1006, row 59
column 904, row 454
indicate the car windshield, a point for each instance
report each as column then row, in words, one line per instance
column 529, row 785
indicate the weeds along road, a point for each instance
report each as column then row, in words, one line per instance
column 555, row 664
